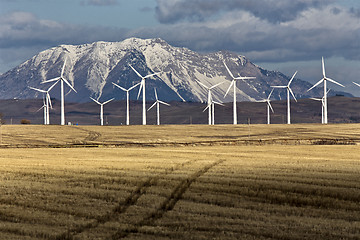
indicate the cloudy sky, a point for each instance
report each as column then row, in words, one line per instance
column 284, row 35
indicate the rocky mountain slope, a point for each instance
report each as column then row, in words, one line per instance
column 91, row 69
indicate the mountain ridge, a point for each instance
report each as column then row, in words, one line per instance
column 92, row 67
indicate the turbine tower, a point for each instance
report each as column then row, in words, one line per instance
column 142, row 87
column 325, row 79
column 209, row 100
column 233, row 83
column 269, row 107
column 127, row 100
column 212, row 107
column 322, row 106
column 48, row 104
column 102, row 109
column 288, row 96
column 157, row 103
column 62, row 80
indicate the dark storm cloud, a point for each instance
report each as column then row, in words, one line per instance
column 172, row 11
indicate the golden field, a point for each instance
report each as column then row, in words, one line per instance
column 180, row 182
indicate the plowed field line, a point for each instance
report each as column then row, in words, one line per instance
column 168, row 204
column 123, row 205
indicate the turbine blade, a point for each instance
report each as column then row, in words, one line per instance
column 95, row 101
column 244, row 78
column 356, row 84
column 63, row 68
column 232, row 76
column 49, row 99
column 216, row 85
column 107, row 101
column 66, row 81
column 323, row 67
column 232, row 82
column 333, row 81
column 136, row 71
column 218, row 103
column 51, row 80
column 292, row 79
column 316, row 84
column 202, row 84
column 40, row 108
column 279, row 86
column 156, row 97
column 39, row 90
column 153, row 105
column 52, row 86
column 150, row 75
column 134, row 86
column 141, row 86
column 292, row 94
column 268, row 102
column 164, row 103
column 209, row 105
column 270, row 94
column 119, row 87
column 316, row 99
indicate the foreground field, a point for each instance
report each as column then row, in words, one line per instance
column 177, row 135
column 201, row 192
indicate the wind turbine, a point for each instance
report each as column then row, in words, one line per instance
column 325, row 79
column 127, row 100
column 48, row 104
column 157, row 103
column 142, row 87
column 233, row 83
column 288, row 96
column 211, row 105
column 322, row 106
column 209, row 101
column 45, row 111
column 102, row 109
column 62, row 80
column 269, row 107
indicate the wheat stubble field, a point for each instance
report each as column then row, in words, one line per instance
column 180, row 182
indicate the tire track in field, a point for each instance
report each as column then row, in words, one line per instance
column 168, row 204
column 123, row 205
column 92, row 135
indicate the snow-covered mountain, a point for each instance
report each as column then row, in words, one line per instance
column 91, row 69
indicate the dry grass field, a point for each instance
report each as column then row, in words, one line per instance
column 180, row 182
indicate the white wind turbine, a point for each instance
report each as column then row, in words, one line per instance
column 127, row 100
column 157, row 103
column 62, row 80
column 48, row 104
column 45, row 111
column 209, row 100
column 322, row 105
column 269, row 107
column 325, row 79
column 102, row 109
column 288, row 96
column 233, row 83
column 142, row 87
column 211, row 105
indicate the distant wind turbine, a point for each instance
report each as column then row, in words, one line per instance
column 269, row 107
column 325, row 79
column 288, row 96
column 45, row 111
column 127, row 100
column 48, row 104
column 209, row 100
column 233, row 83
column 142, row 87
column 211, row 105
column 322, row 105
column 101, row 109
column 157, row 103
column 62, row 80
